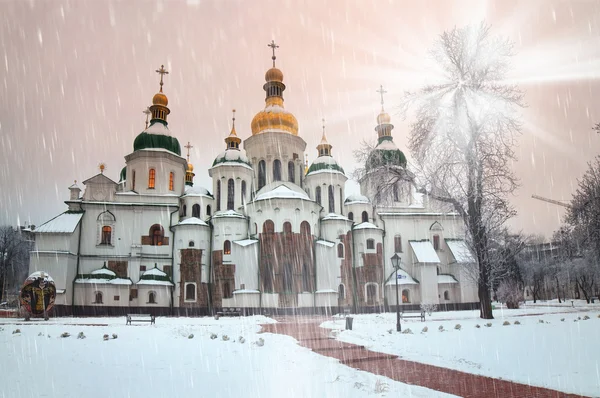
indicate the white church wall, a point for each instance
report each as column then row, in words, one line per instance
column 60, row 266
column 245, row 259
column 428, row 283
column 163, row 163
column 305, row 299
column 85, row 294
column 162, row 295
column 328, row 271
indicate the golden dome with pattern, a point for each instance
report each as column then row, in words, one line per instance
column 274, row 75
column 274, row 118
column 384, row 118
column 190, row 167
column 160, row 99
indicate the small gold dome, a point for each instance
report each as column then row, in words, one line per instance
column 190, row 167
column 274, row 75
column 160, row 99
column 383, row 118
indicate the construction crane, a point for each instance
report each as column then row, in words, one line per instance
column 555, row 202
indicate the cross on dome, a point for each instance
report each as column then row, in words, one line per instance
column 188, row 146
column 381, row 91
column 162, row 71
column 273, row 46
column 147, row 112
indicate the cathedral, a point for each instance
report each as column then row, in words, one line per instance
column 272, row 235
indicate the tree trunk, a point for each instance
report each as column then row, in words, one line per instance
column 558, row 290
column 1, row 286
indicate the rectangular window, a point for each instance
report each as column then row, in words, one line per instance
column 436, row 242
column 133, row 181
column 171, row 181
column 398, row 244
column 142, row 268
column 106, row 235
column 167, row 269
column 370, row 244
column 151, row 178
column 133, row 294
column 116, row 298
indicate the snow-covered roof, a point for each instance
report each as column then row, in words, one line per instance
column 196, row 191
column 326, row 291
column 233, row 157
column 403, row 279
column 387, row 145
column 228, row 213
column 245, row 242
column 325, row 243
column 193, row 221
column 424, row 251
column 251, row 291
column 333, row 216
column 104, row 271
column 154, row 282
column 155, row 276
column 41, row 274
column 445, row 278
column 330, row 171
column 366, row 225
column 158, row 128
column 154, row 271
column 460, row 251
column 104, row 281
column 356, row 199
column 282, row 192
column 63, row 224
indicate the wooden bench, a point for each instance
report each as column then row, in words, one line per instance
column 140, row 318
column 413, row 314
column 230, row 312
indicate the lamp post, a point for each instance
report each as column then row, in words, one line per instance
column 396, row 265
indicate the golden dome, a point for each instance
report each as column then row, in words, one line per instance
column 190, row 167
column 274, row 118
column 160, row 99
column 384, row 118
column 274, row 75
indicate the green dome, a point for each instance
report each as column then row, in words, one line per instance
column 156, row 136
column 386, row 154
column 325, row 163
column 123, row 175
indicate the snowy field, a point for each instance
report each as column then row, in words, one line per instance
column 162, row 361
column 557, row 354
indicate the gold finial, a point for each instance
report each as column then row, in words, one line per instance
column 102, row 167
column 162, row 71
column 273, row 46
column 75, row 182
column 381, row 91
column 188, row 146
column 147, row 112
column 233, row 120
column 323, row 120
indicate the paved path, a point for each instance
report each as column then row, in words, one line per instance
column 308, row 333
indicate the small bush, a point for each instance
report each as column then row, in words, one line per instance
column 578, row 318
column 390, row 331
column 541, row 321
column 65, row 335
column 40, row 334
column 477, row 326
column 457, row 326
column 191, row 336
column 225, row 337
column 407, row 331
column 81, row 336
column 585, row 318
column 213, row 336
column 260, row 342
column 425, row 329
column 441, row 328
column 506, row 323
column 517, row 323
column 562, row 319
column 114, row 336
column 381, row 387
column 105, row 337
column 241, row 340
column 488, row 325
column 429, row 308
column 16, row 331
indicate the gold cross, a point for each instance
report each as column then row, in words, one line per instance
column 381, row 91
column 233, row 118
column 273, row 46
column 162, row 71
column 147, row 112
column 188, row 146
column 323, row 120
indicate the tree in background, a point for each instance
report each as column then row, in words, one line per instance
column 463, row 136
column 14, row 259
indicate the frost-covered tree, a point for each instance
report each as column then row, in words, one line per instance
column 14, row 257
column 463, row 136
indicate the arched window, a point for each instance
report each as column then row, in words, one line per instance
column 97, row 298
column 151, row 298
column 106, row 235
column 396, row 194
column 436, row 242
column 341, row 202
column 365, row 216
column 208, row 210
column 446, row 295
column 398, row 244
column 196, row 210
column 371, row 293
column 370, row 244
column 288, row 277
column 133, row 181
column 331, row 199
column 306, row 278
column 243, row 198
column 191, row 243
column 183, row 211
column 268, row 227
column 276, row 170
column 291, row 172
column 227, row 247
column 218, row 195
column 190, row 292
column 157, row 234
column 340, row 250
column 287, row 227
column 171, row 181
column 341, row 292
column 262, row 174
column 305, row 228
column 226, row 290
column 350, row 216
column 405, row 296
column 151, row 178
column 318, row 195
column 230, row 193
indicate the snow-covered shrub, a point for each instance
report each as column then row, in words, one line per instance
column 517, row 323
column 16, row 331
column 260, row 342
column 488, row 325
column 65, row 334
column 39, row 334
column 105, row 337
column 585, row 318
column 390, row 331
column 241, row 340
column 510, row 293
column 562, row 319
column 506, row 323
column 114, row 336
column 541, row 321
column 578, row 318
column 381, row 387
column 225, row 337
column 477, row 326
column 441, row 328
column 191, row 336
column 407, row 331
column 213, row 336
column 81, row 336
column 457, row 326
column 429, row 308
column 425, row 329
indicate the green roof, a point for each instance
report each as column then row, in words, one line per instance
column 150, row 141
column 385, row 157
column 123, row 175
column 325, row 166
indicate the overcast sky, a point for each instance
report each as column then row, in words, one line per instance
column 76, row 76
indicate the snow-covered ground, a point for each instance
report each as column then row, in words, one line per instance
column 557, row 354
column 162, row 361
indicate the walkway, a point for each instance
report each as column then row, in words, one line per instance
column 308, row 333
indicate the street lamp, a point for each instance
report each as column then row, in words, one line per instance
column 396, row 265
